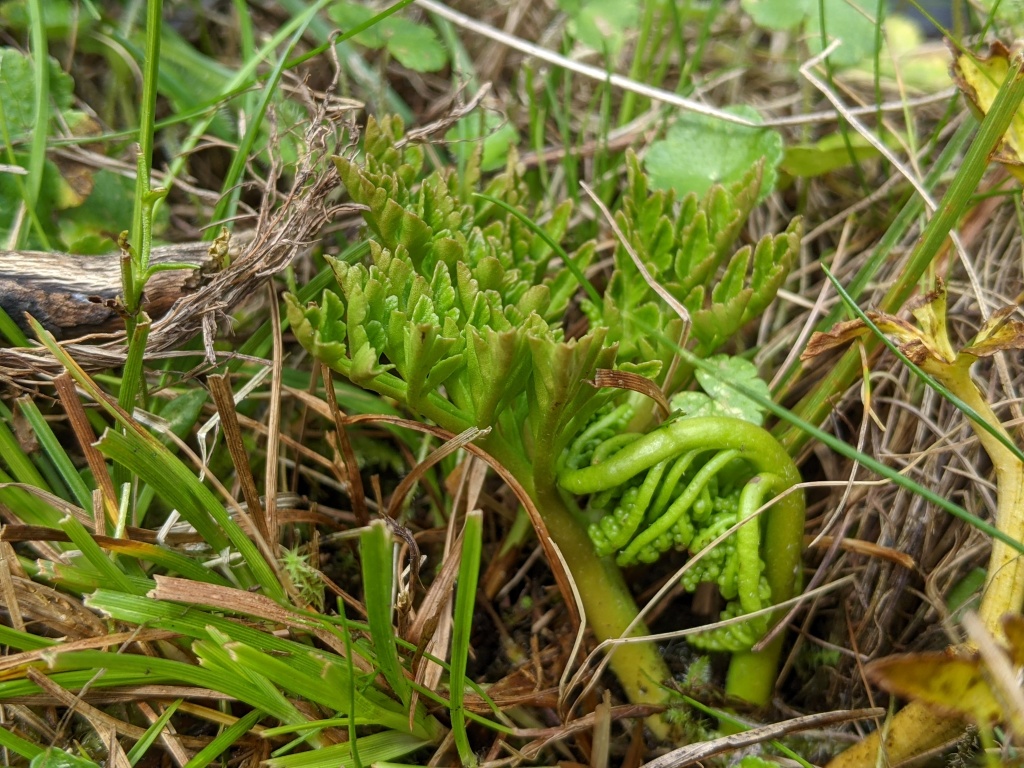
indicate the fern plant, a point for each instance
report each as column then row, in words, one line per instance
column 688, row 247
column 459, row 317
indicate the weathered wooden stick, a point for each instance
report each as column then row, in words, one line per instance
column 76, row 295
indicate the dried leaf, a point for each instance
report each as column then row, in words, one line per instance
column 634, row 382
column 999, row 334
column 979, row 79
column 913, row 343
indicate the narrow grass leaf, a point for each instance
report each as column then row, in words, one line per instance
column 148, row 458
column 20, row 464
column 97, row 558
column 326, row 686
column 173, row 562
column 10, row 330
column 242, row 79
column 225, row 740
column 83, row 580
column 132, row 381
column 929, row 380
column 230, row 189
column 22, row 747
column 55, row 452
column 30, row 509
column 199, row 623
column 909, row 213
column 22, row 641
column 259, row 691
column 376, row 549
column 154, row 464
column 372, row 749
column 55, row 757
column 844, row 449
column 152, row 733
column 40, row 117
column 465, row 600
column 959, row 195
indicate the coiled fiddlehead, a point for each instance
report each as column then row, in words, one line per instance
column 680, row 487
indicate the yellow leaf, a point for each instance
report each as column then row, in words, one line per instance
column 950, row 683
column 979, row 79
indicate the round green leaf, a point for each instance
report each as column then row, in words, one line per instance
column 700, row 151
column 414, row 45
column 852, row 21
column 734, row 370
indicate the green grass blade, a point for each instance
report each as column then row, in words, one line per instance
column 20, row 465
column 40, row 118
column 896, row 231
column 152, row 733
column 815, row 406
column 73, row 578
column 75, row 669
column 28, row 508
column 132, row 382
column 225, row 739
column 230, row 189
column 56, row 453
column 844, row 449
column 173, row 562
column 151, row 462
column 929, row 380
column 373, row 749
column 8, row 328
column 97, row 558
column 242, row 79
column 259, row 690
column 22, row 747
column 197, row 623
column 319, row 675
column 23, row 641
column 376, row 549
column 465, row 599
column 367, row 77
column 172, row 480
column 327, row 685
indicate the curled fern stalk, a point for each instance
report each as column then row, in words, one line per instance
column 681, row 486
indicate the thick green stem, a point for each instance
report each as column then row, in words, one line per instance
column 754, row 676
column 609, row 606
